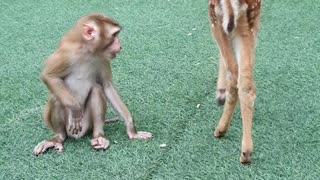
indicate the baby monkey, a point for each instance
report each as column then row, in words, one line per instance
column 78, row 77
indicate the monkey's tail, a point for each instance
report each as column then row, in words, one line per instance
column 111, row 120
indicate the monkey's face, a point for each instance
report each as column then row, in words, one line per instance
column 112, row 44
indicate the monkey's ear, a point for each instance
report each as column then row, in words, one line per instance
column 89, row 32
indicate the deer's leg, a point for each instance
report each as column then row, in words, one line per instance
column 221, row 83
column 246, row 89
column 231, row 70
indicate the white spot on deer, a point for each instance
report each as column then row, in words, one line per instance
column 237, row 8
column 236, row 49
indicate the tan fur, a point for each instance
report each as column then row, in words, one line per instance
column 236, row 65
column 78, row 76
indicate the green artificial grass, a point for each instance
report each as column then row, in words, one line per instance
column 167, row 67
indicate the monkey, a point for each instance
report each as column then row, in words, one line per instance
column 79, row 80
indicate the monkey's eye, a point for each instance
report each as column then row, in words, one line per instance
column 115, row 34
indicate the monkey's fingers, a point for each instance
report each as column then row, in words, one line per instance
column 75, row 131
column 76, row 121
column 74, row 125
column 70, row 123
column 78, row 125
column 71, row 127
column 140, row 135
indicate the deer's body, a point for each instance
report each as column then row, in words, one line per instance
column 234, row 26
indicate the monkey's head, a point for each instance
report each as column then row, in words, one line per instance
column 101, row 34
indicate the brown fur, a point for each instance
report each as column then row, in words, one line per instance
column 237, row 79
column 78, row 76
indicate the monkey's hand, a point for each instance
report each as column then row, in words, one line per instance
column 140, row 135
column 75, row 115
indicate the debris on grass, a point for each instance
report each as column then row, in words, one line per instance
column 163, row 145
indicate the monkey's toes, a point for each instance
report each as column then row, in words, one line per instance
column 218, row 133
column 38, row 149
column 140, row 135
column 221, row 97
column 245, row 157
column 45, row 145
column 100, row 143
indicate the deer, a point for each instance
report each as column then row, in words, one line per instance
column 234, row 27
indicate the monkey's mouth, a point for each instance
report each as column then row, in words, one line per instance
column 113, row 55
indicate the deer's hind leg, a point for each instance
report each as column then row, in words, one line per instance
column 221, row 83
column 230, row 72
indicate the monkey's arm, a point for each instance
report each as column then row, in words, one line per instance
column 116, row 102
column 55, row 69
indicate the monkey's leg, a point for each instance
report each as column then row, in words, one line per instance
column 96, row 106
column 54, row 117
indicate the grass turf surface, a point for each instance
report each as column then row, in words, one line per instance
column 168, row 65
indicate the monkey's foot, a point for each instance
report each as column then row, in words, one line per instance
column 100, row 143
column 221, row 97
column 140, row 135
column 245, row 157
column 45, row 145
